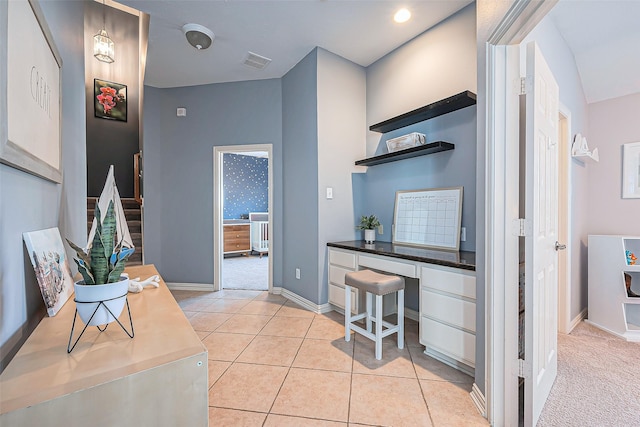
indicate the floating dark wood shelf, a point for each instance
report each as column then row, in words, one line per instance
column 420, row 150
column 438, row 108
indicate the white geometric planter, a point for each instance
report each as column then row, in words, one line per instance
column 100, row 305
column 88, row 297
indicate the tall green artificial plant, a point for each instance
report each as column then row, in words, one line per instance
column 105, row 261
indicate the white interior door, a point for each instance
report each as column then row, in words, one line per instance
column 541, row 208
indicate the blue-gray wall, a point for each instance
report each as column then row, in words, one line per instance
column 300, row 163
column 111, row 142
column 375, row 191
column 28, row 203
column 245, row 185
column 178, row 167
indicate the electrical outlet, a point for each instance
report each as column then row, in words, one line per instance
column 380, row 229
column 297, row 273
column 463, row 234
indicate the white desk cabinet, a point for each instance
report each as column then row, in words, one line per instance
column 448, row 315
column 341, row 262
column 610, row 308
column 447, row 308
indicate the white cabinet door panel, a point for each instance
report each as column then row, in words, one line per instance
column 342, row 258
column 453, row 281
column 388, row 266
column 336, row 297
column 454, row 311
column 336, row 274
column 450, row 341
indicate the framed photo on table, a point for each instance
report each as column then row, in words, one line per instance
column 30, row 92
column 631, row 170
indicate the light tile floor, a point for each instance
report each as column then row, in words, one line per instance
column 273, row 363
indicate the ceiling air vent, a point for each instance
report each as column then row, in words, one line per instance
column 256, row 61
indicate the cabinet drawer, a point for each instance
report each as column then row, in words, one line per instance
column 241, row 227
column 336, row 297
column 236, row 245
column 336, row 274
column 451, row 280
column 453, row 342
column 451, row 310
column 387, row 265
column 239, row 235
column 344, row 259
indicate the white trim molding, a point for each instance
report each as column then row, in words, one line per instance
column 316, row 308
column 576, row 320
column 411, row 314
column 478, row 400
column 177, row 286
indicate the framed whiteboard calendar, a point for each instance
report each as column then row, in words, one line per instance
column 429, row 218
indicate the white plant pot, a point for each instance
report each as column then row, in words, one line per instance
column 87, row 299
column 369, row 236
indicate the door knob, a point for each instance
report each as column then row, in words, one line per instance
column 560, row 247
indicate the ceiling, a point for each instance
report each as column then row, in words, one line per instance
column 362, row 31
column 604, row 36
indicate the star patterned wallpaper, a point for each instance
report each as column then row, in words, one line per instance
column 245, row 185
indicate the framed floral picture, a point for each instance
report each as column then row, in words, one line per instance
column 110, row 100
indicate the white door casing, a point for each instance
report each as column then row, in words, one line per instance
column 218, row 248
column 541, row 208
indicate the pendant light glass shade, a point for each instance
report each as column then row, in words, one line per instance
column 103, row 47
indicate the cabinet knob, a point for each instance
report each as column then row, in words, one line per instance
column 237, row 235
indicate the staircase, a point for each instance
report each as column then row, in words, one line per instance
column 133, row 214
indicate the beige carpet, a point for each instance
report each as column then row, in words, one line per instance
column 246, row 272
column 598, row 381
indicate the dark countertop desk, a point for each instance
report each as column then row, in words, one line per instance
column 458, row 259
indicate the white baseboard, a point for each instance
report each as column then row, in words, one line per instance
column 576, row 320
column 411, row 314
column 448, row 360
column 479, row 400
column 176, row 286
column 316, row 308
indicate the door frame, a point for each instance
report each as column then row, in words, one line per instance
column 218, row 177
column 564, row 222
column 502, row 207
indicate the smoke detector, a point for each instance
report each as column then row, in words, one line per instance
column 198, row 36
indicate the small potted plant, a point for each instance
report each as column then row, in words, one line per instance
column 369, row 224
column 101, row 268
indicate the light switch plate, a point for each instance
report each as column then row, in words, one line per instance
column 329, row 193
column 463, row 234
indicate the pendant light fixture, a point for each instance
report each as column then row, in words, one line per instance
column 103, row 46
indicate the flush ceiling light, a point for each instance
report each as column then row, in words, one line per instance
column 403, row 15
column 198, row 36
column 103, row 46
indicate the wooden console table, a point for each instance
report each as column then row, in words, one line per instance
column 157, row 378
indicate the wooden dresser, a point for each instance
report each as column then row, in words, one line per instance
column 237, row 238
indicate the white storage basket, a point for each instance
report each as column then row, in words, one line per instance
column 406, row 141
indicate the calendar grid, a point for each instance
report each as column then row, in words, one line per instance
column 428, row 217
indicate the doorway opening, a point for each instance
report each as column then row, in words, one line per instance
column 243, row 217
